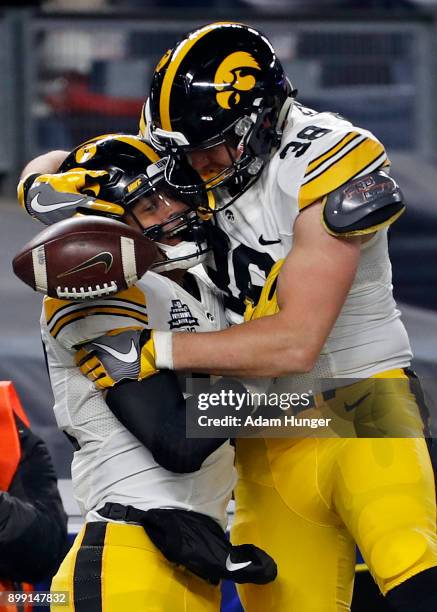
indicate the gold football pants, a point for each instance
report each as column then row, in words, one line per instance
column 308, row 501
column 114, row 567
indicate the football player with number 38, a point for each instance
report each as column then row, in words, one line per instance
column 313, row 190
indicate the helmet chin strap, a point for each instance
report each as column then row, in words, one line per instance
column 282, row 117
column 254, row 168
column 182, row 256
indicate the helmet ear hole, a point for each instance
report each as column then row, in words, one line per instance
column 115, row 175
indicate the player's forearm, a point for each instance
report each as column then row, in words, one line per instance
column 264, row 347
column 48, row 163
column 154, row 410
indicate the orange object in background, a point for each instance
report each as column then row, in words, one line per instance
column 10, row 454
column 6, row 585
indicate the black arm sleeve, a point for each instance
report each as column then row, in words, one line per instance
column 154, row 411
column 33, row 524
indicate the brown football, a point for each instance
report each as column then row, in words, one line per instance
column 84, row 258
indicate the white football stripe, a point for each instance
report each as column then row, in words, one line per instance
column 40, row 268
column 128, row 260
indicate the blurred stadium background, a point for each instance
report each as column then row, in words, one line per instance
column 74, row 69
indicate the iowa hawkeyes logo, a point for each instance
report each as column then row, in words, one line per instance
column 86, row 152
column 232, row 77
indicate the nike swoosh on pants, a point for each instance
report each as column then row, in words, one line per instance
column 233, row 567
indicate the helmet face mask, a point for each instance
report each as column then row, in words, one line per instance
column 185, row 226
column 246, row 149
column 135, row 172
column 221, row 85
column 193, row 248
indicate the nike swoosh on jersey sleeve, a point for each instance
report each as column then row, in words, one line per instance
column 354, row 154
column 72, row 323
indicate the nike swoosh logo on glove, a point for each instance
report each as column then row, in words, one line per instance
column 233, row 567
column 130, row 357
column 45, row 208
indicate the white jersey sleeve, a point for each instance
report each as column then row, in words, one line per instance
column 322, row 151
column 72, row 323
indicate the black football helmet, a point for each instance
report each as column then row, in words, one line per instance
column 136, row 171
column 221, row 84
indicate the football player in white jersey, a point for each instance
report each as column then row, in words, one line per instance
column 117, row 470
column 311, row 189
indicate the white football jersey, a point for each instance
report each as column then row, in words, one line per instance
column 112, row 465
column 319, row 152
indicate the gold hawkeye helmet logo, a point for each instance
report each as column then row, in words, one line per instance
column 229, row 80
